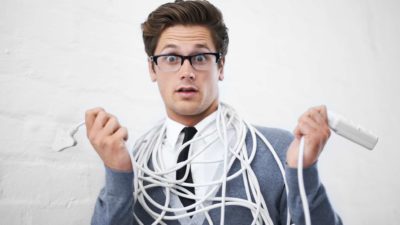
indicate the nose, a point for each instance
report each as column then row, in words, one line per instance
column 187, row 70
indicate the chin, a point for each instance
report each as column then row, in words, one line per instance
column 188, row 108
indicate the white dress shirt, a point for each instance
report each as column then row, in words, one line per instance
column 201, row 172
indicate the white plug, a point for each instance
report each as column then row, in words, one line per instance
column 65, row 139
column 351, row 131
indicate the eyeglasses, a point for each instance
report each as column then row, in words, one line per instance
column 173, row 62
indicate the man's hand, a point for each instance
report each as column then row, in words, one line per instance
column 313, row 126
column 108, row 139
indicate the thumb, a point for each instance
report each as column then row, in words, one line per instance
column 293, row 152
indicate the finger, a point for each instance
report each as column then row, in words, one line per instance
column 100, row 121
column 122, row 133
column 90, row 116
column 309, row 113
column 306, row 127
column 308, row 120
column 297, row 133
column 324, row 112
column 111, row 126
column 316, row 115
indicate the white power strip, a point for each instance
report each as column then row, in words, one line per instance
column 351, row 131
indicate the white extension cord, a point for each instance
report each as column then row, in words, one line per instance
column 147, row 178
column 303, row 195
column 234, row 148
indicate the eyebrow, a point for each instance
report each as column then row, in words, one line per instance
column 197, row 46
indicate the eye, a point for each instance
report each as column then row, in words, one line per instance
column 169, row 59
column 201, row 58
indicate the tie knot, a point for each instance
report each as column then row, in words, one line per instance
column 189, row 133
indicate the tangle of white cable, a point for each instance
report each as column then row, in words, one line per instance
column 148, row 149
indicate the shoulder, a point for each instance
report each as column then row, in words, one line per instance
column 279, row 139
column 276, row 136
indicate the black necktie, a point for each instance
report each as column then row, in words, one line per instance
column 183, row 156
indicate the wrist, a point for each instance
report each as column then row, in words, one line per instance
column 292, row 159
column 121, row 162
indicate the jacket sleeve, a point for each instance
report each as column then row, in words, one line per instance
column 321, row 210
column 115, row 201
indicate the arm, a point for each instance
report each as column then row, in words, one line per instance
column 115, row 201
column 107, row 136
column 321, row 210
column 313, row 127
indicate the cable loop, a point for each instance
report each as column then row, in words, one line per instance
column 148, row 149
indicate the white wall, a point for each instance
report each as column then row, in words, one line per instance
column 59, row 58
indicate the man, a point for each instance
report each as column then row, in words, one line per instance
column 187, row 42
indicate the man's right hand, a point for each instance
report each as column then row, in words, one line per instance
column 108, row 138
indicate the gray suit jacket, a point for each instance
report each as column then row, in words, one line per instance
column 115, row 204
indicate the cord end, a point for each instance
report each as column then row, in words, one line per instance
column 62, row 141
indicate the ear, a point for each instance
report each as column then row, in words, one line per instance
column 221, row 69
column 152, row 72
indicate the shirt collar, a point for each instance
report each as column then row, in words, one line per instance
column 174, row 128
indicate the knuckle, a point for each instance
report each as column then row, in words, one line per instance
column 102, row 114
column 113, row 143
column 91, row 136
column 302, row 122
column 313, row 111
column 113, row 120
column 97, row 142
column 107, row 143
column 93, row 110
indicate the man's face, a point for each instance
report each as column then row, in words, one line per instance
column 189, row 95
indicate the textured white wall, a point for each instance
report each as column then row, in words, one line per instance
column 59, row 58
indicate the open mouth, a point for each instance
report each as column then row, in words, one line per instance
column 187, row 89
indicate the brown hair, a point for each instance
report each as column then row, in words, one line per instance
column 195, row 12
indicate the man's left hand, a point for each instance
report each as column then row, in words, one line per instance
column 313, row 126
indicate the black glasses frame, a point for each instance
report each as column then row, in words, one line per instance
column 217, row 55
